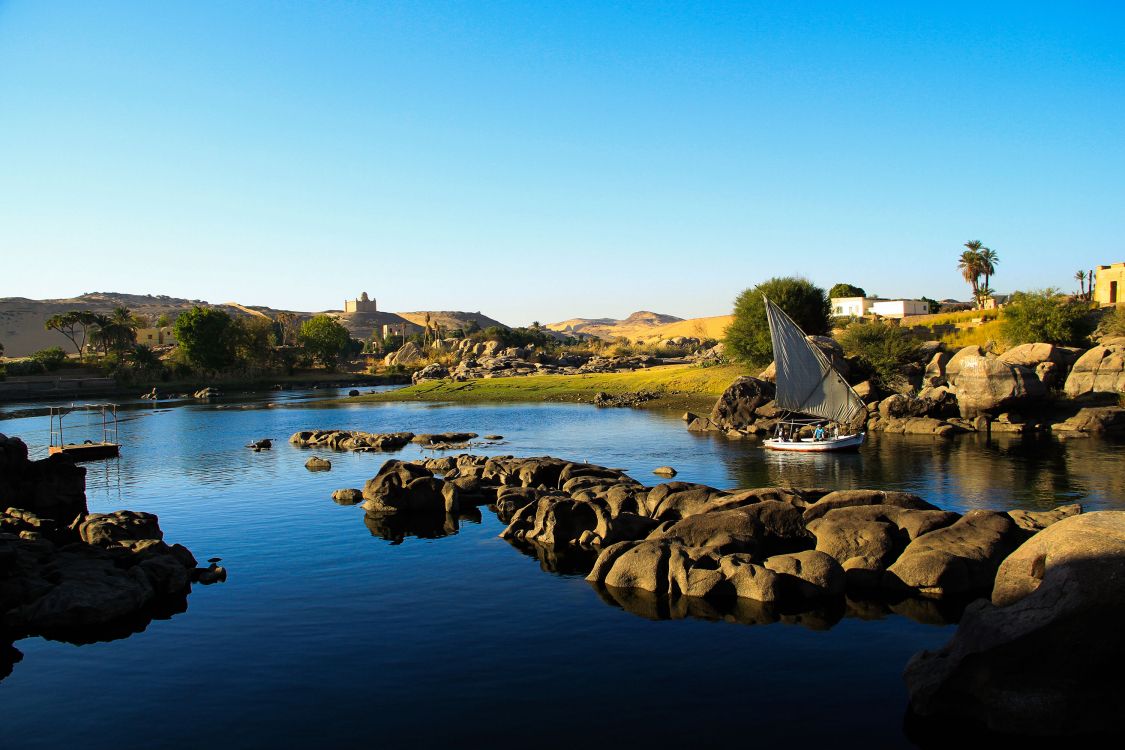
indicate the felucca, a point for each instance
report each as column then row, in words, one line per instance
column 812, row 394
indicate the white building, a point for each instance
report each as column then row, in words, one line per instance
column 858, row 307
column 850, row 307
column 899, row 308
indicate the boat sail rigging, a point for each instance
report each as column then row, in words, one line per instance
column 807, row 383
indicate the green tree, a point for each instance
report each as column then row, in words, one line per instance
column 254, row 341
column 748, row 336
column 846, row 290
column 933, row 305
column 207, row 338
column 75, row 325
column 882, row 350
column 1045, row 316
column 324, row 339
column 1080, row 277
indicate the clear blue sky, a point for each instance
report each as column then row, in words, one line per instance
column 548, row 160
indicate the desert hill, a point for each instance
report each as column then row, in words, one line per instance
column 646, row 326
column 636, row 325
column 22, row 319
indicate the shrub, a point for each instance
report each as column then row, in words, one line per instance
column 1045, row 316
column 882, row 350
column 51, row 359
column 1113, row 324
column 748, row 337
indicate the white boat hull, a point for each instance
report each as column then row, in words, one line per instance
column 842, row 443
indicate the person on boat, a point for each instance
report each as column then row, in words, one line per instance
column 818, row 433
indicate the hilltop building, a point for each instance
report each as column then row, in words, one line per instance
column 1109, row 284
column 858, row 307
column 362, row 305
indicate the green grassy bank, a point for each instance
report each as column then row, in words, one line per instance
column 688, row 387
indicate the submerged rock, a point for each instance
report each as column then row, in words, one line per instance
column 316, row 463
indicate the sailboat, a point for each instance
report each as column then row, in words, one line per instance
column 811, row 393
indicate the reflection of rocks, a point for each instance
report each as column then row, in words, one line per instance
column 560, row 560
column 396, row 527
column 1045, row 657
column 73, row 575
column 652, row 606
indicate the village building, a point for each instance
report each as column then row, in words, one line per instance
column 1109, row 284
column 163, row 336
column 858, row 307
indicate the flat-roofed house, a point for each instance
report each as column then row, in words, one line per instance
column 1109, row 284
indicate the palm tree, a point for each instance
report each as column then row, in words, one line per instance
column 988, row 262
column 971, row 265
column 1080, row 277
column 116, row 331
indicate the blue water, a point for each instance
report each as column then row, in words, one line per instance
column 326, row 634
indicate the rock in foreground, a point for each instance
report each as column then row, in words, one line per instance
column 1045, row 656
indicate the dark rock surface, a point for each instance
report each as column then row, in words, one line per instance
column 1045, row 657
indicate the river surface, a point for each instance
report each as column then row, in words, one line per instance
column 332, row 632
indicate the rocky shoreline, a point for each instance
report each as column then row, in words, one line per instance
column 1027, row 389
column 808, row 554
column 71, row 575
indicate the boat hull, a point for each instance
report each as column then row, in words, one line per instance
column 842, row 443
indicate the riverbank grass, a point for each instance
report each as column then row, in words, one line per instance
column 689, row 387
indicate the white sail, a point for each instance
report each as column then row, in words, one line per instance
column 806, row 381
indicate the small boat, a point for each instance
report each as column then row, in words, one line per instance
column 814, row 396
column 87, row 450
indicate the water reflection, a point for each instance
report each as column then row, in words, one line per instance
column 396, row 527
column 1036, row 472
column 163, row 608
column 820, row 615
column 558, row 560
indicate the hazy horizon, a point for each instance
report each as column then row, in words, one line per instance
column 540, row 162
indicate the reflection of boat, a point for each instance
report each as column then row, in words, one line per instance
column 87, row 450
column 823, row 413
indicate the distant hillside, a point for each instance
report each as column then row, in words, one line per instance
column 634, row 326
column 22, row 319
column 699, row 328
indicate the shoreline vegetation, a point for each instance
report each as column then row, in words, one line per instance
column 675, row 387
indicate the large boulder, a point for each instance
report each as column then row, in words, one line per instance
column 672, row 501
column 735, row 409
column 765, row 528
column 404, row 355
column 124, row 528
column 52, row 488
column 988, row 386
column 953, row 365
column 1093, row 420
column 959, row 559
column 409, row 487
column 1045, row 656
column 1030, row 355
column 850, row 498
column 1100, row 370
